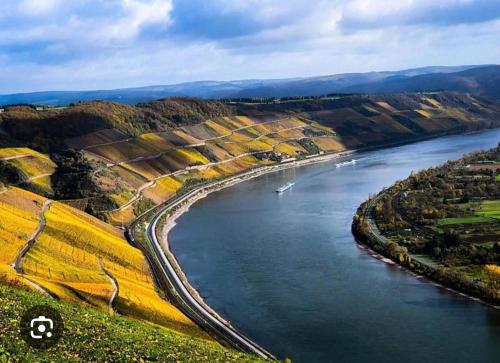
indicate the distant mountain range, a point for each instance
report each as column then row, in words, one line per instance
column 478, row 80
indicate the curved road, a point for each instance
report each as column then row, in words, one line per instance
column 195, row 310
column 169, row 281
column 165, row 271
column 370, row 217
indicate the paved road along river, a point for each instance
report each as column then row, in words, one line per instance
column 286, row 271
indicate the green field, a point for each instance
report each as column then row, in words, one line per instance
column 486, row 211
column 464, row 220
column 490, row 208
column 95, row 336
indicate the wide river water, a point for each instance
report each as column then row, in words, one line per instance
column 286, row 270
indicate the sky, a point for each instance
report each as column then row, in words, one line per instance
column 106, row 44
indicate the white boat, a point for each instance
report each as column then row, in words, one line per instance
column 284, row 187
column 346, row 163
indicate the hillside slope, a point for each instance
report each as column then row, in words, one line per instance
column 482, row 81
column 116, row 162
column 70, row 256
column 46, row 128
column 26, row 168
column 95, row 336
column 306, row 86
column 374, row 119
column 124, row 165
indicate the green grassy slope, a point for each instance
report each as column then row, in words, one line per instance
column 94, row 336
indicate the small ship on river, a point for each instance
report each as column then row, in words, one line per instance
column 346, row 163
column 284, row 187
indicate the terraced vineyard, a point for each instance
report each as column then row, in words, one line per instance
column 68, row 257
column 155, row 166
column 106, row 163
column 27, row 167
column 19, row 210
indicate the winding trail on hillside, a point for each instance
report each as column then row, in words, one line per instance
column 137, row 195
column 18, row 264
column 107, row 143
column 114, row 282
column 38, row 287
column 39, row 176
column 13, row 157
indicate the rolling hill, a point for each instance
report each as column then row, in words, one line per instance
column 306, row 86
column 125, row 159
column 482, row 81
column 71, row 175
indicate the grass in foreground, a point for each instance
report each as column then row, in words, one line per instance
column 94, row 336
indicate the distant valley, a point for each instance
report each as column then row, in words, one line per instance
column 478, row 80
column 115, row 160
column 72, row 179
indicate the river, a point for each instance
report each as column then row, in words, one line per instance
column 286, row 270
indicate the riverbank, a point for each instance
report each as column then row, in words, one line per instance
column 173, row 210
column 166, row 271
column 285, row 275
column 367, row 234
column 176, row 210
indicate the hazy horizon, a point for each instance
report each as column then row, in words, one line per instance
column 249, row 79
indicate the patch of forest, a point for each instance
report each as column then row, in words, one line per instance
column 449, row 214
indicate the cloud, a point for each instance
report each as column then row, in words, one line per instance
column 85, row 44
column 220, row 19
column 77, row 28
column 383, row 13
column 138, row 14
column 82, row 18
column 38, row 7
